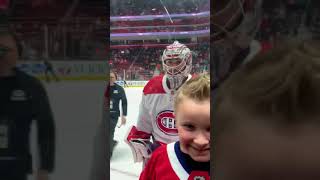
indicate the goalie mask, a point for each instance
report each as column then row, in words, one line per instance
column 235, row 23
column 177, row 63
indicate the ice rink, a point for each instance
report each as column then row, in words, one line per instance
column 77, row 109
column 121, row 165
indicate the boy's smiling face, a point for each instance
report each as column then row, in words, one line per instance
column 193, row 123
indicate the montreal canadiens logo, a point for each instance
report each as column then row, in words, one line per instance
column 199, row 175
column 166, row 122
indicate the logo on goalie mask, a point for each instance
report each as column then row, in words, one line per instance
column 166, row 122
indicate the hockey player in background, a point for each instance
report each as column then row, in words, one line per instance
column 49, row 69
column 189, row 158
column 156, row 122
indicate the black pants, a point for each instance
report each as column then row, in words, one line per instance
column 113, row 123
column 14, row 170
column 14, row 177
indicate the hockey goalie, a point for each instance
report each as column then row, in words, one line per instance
column 156, row 122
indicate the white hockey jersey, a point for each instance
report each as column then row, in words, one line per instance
column 156, row 111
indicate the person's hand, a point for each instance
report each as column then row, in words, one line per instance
column 123, row 120
column 42, row 175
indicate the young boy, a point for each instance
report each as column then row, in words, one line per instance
column 189, row 158
column 267, row 117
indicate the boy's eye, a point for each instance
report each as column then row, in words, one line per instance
column 189, row 126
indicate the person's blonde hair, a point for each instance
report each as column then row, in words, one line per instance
column 197, row 89
column 283, row 84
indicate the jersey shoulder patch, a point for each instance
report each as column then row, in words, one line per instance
column 154, row 86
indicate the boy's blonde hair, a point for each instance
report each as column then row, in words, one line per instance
column 283, row 84
column 197, row 89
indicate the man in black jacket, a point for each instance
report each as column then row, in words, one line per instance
column 22, row 99
column 117, row 93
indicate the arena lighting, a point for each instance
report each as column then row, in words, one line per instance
column 160, row 35
column 163, row 16
column 126, row 46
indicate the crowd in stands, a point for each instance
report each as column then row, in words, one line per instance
column 80, row 37
column 144, row 63
column 60, row 30
column 288, row 19
column 160, row 25
column 141, row 63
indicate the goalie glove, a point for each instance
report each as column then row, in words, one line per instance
column 141, row 149
column 140, row 144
